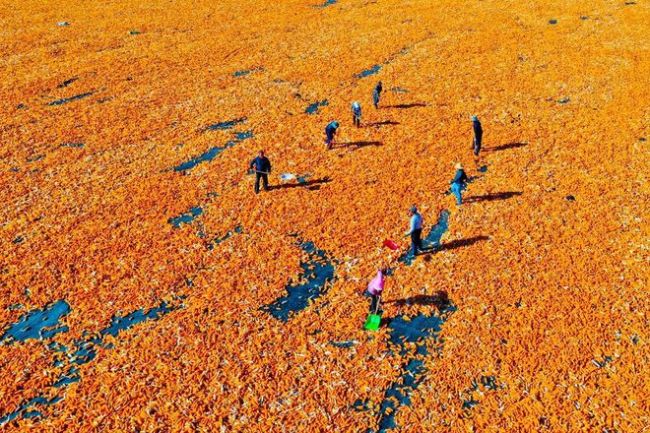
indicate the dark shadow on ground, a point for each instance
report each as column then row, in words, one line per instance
column 403, row 106
column 359, row 144
column 311, row 185
column 493, row 196
column 460, row 243
column 382, row 123
column 440, row 300
column 506, row 146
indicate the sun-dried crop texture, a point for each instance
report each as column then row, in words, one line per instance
column 122, row 119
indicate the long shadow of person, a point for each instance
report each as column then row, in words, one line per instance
column 506, row 146
column 311, row 185
column 493, row 196
column 460, row 243
column 440, row 300
column 359, row 144
column 448, row 246
column 404, row 106
column 382, row 123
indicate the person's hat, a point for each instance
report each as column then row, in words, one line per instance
column 459, row 166
column 474, row 118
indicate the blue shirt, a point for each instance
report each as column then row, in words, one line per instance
column 261, row 164
column 460, row 178
column 416, row 222
column 331, row 128
column 356, row 109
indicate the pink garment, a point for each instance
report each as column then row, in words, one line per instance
column 376, row 285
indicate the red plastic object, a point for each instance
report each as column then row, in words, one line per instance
column 391, row 244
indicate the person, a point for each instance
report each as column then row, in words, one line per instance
column 376, row 94
column 262, row 167
column 459, row 183
column 478, row 135
column 375, row 287
column 330, row 133
column 356, row 114
column 415, row 230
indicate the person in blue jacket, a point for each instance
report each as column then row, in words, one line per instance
column 376, row 94
column 478, row 135
column 330, row 133
column 262, row 167
column 415, row 230
column 459, row 183
column 356, row 114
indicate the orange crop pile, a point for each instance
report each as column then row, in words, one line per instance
column 546, row 262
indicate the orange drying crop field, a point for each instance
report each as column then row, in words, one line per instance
column 546, row 263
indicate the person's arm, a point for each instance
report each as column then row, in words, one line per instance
column 252, row 164
column 411, row 226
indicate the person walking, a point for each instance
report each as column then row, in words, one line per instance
column 415, row 230
column 330, row 133
column 356, row 114
column 376, row 94
column 478, row 135
column 459, row 183
column 262, row 167
column 375, row 287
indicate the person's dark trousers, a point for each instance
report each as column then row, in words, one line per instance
column 374, row 303
column 477, row 145
column 356, row 120
column 265, row 181
column 416, row 241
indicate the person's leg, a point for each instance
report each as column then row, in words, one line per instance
column 374, row 300
column 414, row 247
column 418, row 239
column 257, row 182
column 265, row 181
column 416, row 242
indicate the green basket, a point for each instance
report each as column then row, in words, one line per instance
column 372, row 322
